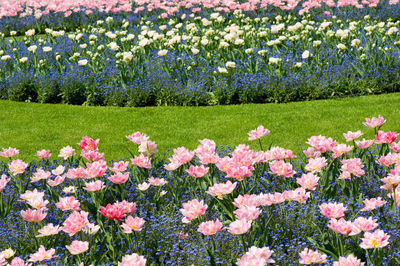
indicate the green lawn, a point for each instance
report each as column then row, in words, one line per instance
column 30, row 127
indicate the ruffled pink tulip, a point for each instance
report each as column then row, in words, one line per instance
column 78, row 247
column 239, row 227
column 377, row 239
column 43, row 154
column 210, row 227
column 42, row 254
column 88, row 144
column 133, row 259
column 133, row 224
column 257, row 133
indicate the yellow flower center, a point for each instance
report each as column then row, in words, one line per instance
column 375, row 243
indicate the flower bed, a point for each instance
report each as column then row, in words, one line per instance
column 203, row 59
column 336, row 203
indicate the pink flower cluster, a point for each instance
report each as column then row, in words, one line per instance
column 17, row 167
column 316, row 164
column 75, row 222
column 240, row 165
column 386, row 137
column 374, row 122
column 118, row 210
column 281, row 168
column 332, row 210
column 257, row 133
column 376, row 239
column 193, row 209
column 350, row 260
column 132, row 224
column 277, row 153
column 351, row 167
column 205, row 151
column 256, row 256
column 308, row 181
column 210, row 227
column 372, row 204
column 197, row 171
column 93, row 170
column 350, row 136
column 308, row 256
column 219, row 189
column 321, row 144
column 180, row 157
column 133, row 259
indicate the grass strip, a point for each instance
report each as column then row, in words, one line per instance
column 31, row 127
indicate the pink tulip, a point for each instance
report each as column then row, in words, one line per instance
column 372, row 204
column 42, row 254
column 350, row 136
column 137, row 138
column 118, row 210
column 96, row 169
column 94, row 186
column 239, row 227
column 321, row 143
column 309, row 256
column 92, row 156
column 75, row 222
column 43, row 154
column 365, row 224
column 248, row 200
column 278, row 153
column 386, row 137
column 49, row 230
column 343, row 227
column 133, row 259
column 17, row 167
column 364, row 144
column 57, row 181
column 350, row 260
column 193, row 209
column 332, row 210
column 210, row 227
column 88, row 144
column 374, row 122
column 78, row 247
column 8, row 153
column 141, row 161
column 197, row 171
column 341, row 149
column 316, row 164
column 158, row 182
column 119, row 178
column 377, row 239
column 148, row 148
column 67, row 152
column 256, row 256
column 248, row 213
column 257, row 133
column 3, row 181
column 351, row 167
column 220, row 189
column 33, row 216
column 120, row 166
column 132, row 224
column 281, row 168
column 68, row 204
column 77, row 173
column 39, row 175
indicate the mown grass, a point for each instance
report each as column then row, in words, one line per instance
column 30, row 127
